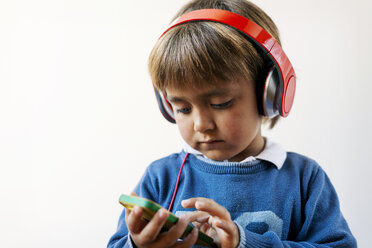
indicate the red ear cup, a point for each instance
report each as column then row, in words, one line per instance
column 287, row 79
column 276, row 95
column 288, row 96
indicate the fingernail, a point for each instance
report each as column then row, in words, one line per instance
column 162, row 213
column 199, row 204
column 218, row 222
column 185, row 202
column 135, row 209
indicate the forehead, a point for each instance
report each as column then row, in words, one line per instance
column 208, row 90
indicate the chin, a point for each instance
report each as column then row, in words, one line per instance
column 216, row 156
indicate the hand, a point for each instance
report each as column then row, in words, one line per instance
column 147, row 234
column 214, row 220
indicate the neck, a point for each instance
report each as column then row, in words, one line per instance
column 255, row 147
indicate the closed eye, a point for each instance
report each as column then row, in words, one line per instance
column 222, row 105
column 183, row 110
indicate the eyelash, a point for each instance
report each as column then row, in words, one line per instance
column 216, row 106
column 222, row 105
column 183, row 110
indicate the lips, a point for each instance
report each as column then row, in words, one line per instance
column 210, row 141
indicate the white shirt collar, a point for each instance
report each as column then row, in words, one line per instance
column 272, row 152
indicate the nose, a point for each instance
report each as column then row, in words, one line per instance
column 203, row 121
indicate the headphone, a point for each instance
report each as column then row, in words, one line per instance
column 276, row 93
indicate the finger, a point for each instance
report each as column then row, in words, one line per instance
column 227, row 231
column 198, row 216
column 133, row 194
column 189, row 240
column 134, row 220
column 217, row 223
column 207, row 205
column 205, row 228
column 150, row 232
column 176, row 231
column 189, row 203
column 197, row 224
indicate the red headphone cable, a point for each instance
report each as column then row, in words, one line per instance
column 177, row 183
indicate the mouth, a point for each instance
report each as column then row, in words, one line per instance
column 210, row 142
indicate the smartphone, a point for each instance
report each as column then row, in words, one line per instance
column 151, row 207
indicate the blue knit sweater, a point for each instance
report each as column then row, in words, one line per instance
column 295, row 206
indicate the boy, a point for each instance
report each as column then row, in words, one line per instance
column 218, row 85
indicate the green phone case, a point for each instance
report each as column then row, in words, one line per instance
column 151, row 207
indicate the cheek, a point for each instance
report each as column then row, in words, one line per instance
column 185, row 129
column 239, row 127
column 234, row 131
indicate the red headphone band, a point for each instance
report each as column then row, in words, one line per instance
column 287, row 77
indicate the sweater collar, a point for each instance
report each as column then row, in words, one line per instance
column 272, row 153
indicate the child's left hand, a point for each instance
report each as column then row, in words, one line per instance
column 214, row 220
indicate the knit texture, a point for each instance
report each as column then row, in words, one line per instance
column 296, row 206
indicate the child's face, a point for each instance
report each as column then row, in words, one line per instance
column 220, row 120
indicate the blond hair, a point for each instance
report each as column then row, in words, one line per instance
column 197, row 53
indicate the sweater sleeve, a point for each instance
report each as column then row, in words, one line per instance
column 121, row 239
column 323, row 224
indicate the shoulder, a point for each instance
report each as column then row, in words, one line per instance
column 158, row 176
column 301, row 166
column 300, row 161
column 167, row 164
column 306, row 173
column 168, row 160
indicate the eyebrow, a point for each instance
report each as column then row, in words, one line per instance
column 212, row 93
column 175, row 99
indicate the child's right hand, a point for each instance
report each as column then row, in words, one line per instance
column 147, row 234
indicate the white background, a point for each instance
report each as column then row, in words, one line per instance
column 79, row 121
